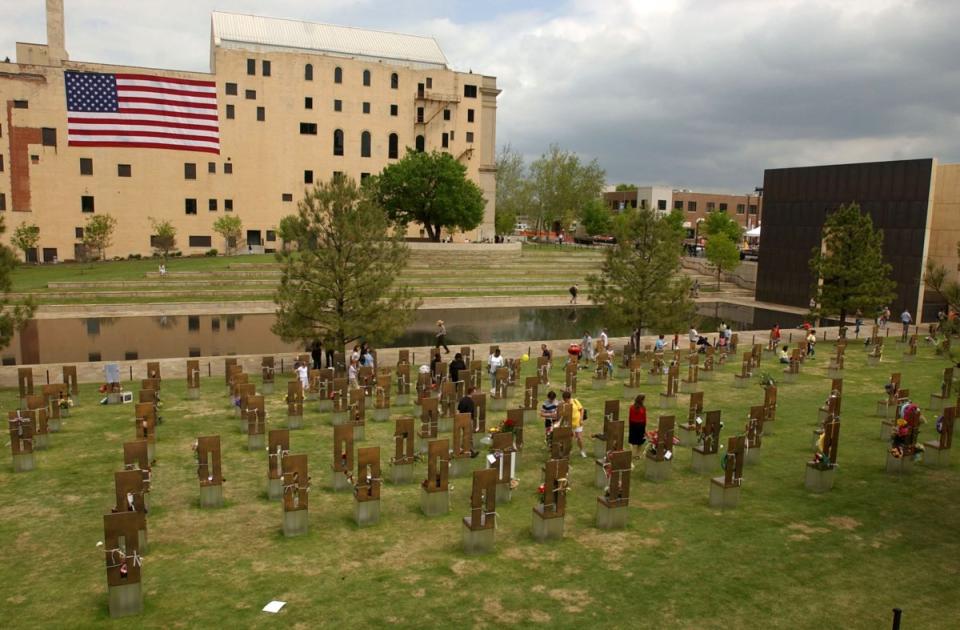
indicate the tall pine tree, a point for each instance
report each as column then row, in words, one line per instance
column 639, row 283
column 339, row 284
column 848, row 268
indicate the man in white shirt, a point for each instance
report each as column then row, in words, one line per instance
column 604, row 340
column 493, row 363
column 304, row 375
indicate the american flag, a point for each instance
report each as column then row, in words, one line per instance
column 141, row 110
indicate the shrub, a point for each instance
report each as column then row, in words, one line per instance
column 211, row 252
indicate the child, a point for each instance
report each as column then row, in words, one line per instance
column 576, row 419
column 548, row 411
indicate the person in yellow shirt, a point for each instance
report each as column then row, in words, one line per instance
column 576, row 419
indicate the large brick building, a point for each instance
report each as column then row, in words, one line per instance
column 744, row 209
column 296, row 102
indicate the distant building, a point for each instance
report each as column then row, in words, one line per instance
column 286, row 103
column 745, row 209
column 915, row 202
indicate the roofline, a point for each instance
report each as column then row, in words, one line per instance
column 353, row 28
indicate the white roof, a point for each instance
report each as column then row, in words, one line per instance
column 265, row 32
column 754, row 232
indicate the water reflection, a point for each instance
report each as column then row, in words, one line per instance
column 117, row 338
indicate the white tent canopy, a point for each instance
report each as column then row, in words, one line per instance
column 755, row 232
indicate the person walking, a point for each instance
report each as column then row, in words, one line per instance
column 573, row 293
column 316, row 353
column 576, row 419
column 811, row 344
column 442, row 336
column 586, row 347
column 906, row 320
column 303, row 373
column 637, row 435
column 494, row 362
column 857, row 322
column 466, row 405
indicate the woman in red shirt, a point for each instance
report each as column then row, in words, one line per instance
column 638, row 425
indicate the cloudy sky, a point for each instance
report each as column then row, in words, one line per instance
column 700, row 94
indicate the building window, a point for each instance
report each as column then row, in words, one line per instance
column 711, row 206
column 86, row 203
column 723, row 207
column 364, row 177
column 691, row 206
column 1, row 162
column 453, row 136
column 48, row 137
column 266, row 68
column 419, row 114
column 189, row 170
column 393, row 145
column 212, row 205
column 337, row 105
column 228, row 205
column 93, row 357
column 231, row 89
column 228, row 168
column 200, row 241
column 308, row 129
column 446, row 114
column 286, row 197
column 308, row 102
column 394, row 110
column 34, row 159
column 394, row 81
column 86, row 166
column 338, row 75
column 366, row 78
column 251, row 67
column 469, row 136
column 337, row 175
column 308, row 72
column 123, row 170
column 250, row 95
column 78, row 232
column 3, row 201
column 308, row 177
column 470, row 91
column 753, row 208
column 338, row 142
column 445, row 140
column 469, row 115
column 261, row 114
column 21, row 105
column 421, row 144
column 190, row 206
column 366, row 107
column 212, row 167
column 741, row 208
column 643, row 204
column 271, row 236
column 661, row 204
column 365, row 144
column 231, row 112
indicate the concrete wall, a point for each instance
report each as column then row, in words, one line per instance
column 744, row 275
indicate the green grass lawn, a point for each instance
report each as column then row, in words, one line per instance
column 783, row 559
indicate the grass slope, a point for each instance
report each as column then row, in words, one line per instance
column 783, row 559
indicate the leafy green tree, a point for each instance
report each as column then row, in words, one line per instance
column 625, row 187
column 721, row 223
column 289, row 230
column 230, row 227
column 514, row 192
column 12, row 316
column 848, row 268
column 595, row 217
column 722, row 253
column 340, row 284
column 675, row 220
column 562, row 186
column 431, row 189
column 164, row 237
column 25, row 238
column 639, row 283
column 98, row 233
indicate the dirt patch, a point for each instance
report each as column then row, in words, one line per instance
column 462, row 568
column 647, row 505
column 798, row 537
column 410, row 579
column 539, row 588
column 572, row 600
column 495, row 611
column 843, row 522
column 420, row 592
column 16, row 599
column 803, row 528
column 538, row 616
